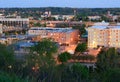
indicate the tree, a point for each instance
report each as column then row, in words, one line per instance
column 64, row 57
column 107, row 19
column 81, row 29
column 41, row 60
column 82, row 58
column 37, row 24
column 81, row 17
column 31, row 23
column 91, row 58
column 107, row 59
column 42, row 53
column 81, row 47
column 51, row 18
column 62, row 25
column 75, row 73
column 5, row 77
column 6, row 57
column 111, row 76
column 44, row 25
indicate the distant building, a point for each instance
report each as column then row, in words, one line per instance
column 46, row 14
column 63, row 23
column 109, row 14
column 103, row 34
column 69, row 24
column 2, row 16
column 94, row 17
column 10, row 39
column 15, row 22
column 57, row 17
column 61, row 35
column 63, row 17
column 115, row 17
column 22, row 48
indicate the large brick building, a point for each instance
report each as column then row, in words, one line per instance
column 61, row 35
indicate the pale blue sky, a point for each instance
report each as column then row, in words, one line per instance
column 60, row 3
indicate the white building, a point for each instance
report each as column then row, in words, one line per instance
column 102, row 34
column 94, row 17
column 15, row 22
column 67, row 17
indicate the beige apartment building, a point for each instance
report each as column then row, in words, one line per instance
column 103, row 34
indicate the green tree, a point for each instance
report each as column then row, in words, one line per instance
column 31, row 23
column 5, row 77
column 37, row 24
column 6, row 57
column 107, row 59
column 41, row 60
column 91, row 57
column 51, row 18
column 64, row 57
column 43, row 53
column 44, row 25
column 84, row 57
column 75, row 73
column 106, row 19
column 111, row 76
column 81, row 29
column 81, row 47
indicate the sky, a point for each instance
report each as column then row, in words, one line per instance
column 61, row 3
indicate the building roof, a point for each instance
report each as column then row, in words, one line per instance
column 104, row 25
column 98, row 27
column 53, row 29
column 25, row 44
column 14, row 19
column 2, row 38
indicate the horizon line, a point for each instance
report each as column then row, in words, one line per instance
column 64, row 7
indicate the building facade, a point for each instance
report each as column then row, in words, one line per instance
column 94, row 17
column 103, row 34
column 15, row 22
column 60, row 35
column 63, row 23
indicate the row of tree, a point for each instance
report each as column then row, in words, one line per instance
column 40, row 66
column 58, row 10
